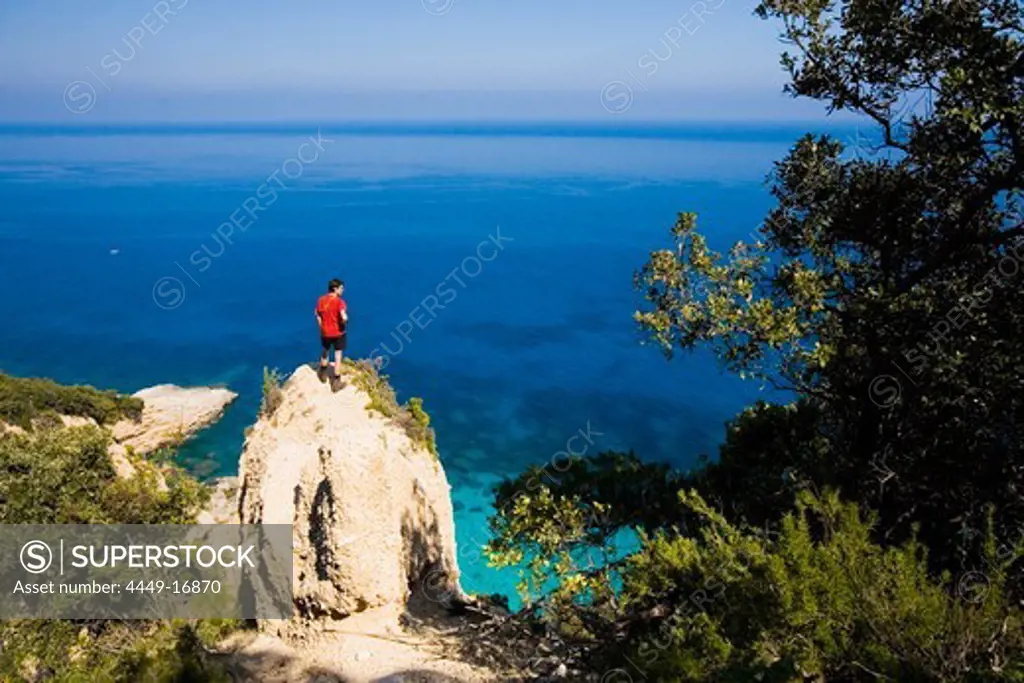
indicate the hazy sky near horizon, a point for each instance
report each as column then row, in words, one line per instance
column 172, row 60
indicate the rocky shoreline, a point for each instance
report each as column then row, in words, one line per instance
column 171, row 415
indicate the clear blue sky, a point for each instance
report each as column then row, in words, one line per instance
column 392, row 59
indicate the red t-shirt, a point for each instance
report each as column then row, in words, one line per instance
column 329, row 308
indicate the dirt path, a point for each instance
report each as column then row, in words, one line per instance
column 366, row 648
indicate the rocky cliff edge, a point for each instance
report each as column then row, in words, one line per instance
column 371, row 509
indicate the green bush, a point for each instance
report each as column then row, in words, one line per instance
column 411, row 417
column 416, row 423
column 272, row 394
column 66, row 476
column 819, row 601
column 382, row 395
column 22, row 400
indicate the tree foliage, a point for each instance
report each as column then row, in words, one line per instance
column 871, row 529
column 569, row 531
column 883, row 290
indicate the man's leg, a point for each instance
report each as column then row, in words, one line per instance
column 339, row 350
column 324, row 349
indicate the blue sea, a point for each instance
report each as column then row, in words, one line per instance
column 132, row 256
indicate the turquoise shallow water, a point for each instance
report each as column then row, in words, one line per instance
column 99, row 232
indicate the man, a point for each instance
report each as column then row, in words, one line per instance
column 332, row 317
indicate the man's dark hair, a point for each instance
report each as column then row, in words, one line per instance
column 334, row 284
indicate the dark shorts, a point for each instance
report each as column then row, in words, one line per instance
column 339, row 343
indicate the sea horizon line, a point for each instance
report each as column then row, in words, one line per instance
column 730, row 129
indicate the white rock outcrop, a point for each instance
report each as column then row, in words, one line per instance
column 371, row 509
column 170, row 415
